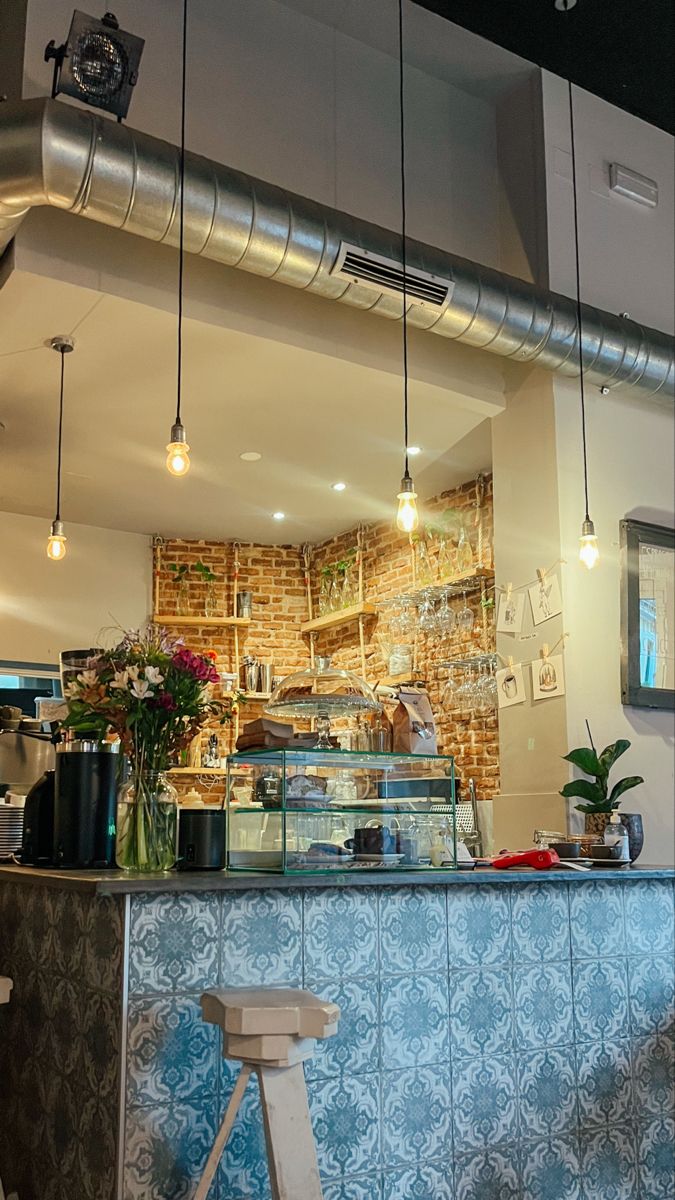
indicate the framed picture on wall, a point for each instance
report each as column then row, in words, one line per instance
column 647, row 615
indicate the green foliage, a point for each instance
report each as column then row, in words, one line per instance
column 598, row 766
column 180, row 570
column 205, row 572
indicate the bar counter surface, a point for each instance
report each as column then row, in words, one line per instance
column 503, row 1033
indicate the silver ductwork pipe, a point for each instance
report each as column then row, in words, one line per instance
column 74, row 159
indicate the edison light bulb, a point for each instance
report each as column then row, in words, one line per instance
column 406, row 517
column 178, row 451
column 56, row 543
column 588, row 545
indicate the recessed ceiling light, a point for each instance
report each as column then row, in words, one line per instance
column 278, row 516
column 250, row 456
column 413, row 450
column 338, row 487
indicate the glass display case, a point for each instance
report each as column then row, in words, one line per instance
column 320, row 811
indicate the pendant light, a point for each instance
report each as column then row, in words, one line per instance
column 56, row 543
column 178, row 450
column 588, row 542
column 407, row 519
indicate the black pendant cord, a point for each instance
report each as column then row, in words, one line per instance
column 579, row 322
column 181, row 218
column 60, row 439
column 404, row 227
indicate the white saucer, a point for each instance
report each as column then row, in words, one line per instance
column 387, row 859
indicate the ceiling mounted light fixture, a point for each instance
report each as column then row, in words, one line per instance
column 178, row 450
column 97, row 64
column 338, row 487
column 588, row 542
column 278, row 516
column 250, row 456
column 56, row 543
column 406, row 518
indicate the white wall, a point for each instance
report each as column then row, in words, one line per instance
column 627, row 265
column 105, row 580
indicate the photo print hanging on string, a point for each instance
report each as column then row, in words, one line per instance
column 548, row 677
column 510, row 686
column 511, row 612
column 545, row 598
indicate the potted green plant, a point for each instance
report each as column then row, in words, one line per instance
column 211, row 598
column 599, row 800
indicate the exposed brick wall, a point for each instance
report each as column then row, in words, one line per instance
column 275, row 576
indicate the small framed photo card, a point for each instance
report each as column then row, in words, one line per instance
column 510, row 686
column 545, row 599
column 548, row 677
column 511, row 611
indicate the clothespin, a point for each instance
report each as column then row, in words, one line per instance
column 545, row 651
column 509, row 589
column 509, row 662
column 541, row 575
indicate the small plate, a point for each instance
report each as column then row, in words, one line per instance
column 387, row 859
column 607, row 862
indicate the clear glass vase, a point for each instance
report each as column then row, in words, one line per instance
column 147, row 823
column 211, row 600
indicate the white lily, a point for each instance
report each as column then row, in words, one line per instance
column 88, row 678
column 120, row 681
column 71, row 690
column 154, row 675
column 132, row 672
column 141, row 689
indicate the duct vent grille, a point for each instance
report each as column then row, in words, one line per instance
column 386, row 275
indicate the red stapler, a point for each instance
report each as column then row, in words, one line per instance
column 541, row 860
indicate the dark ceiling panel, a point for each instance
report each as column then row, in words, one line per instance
column 621, row 50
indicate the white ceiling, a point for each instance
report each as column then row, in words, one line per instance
column 315, row 418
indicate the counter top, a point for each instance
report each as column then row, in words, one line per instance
column 111, row 883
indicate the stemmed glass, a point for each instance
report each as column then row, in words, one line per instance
column 486, row 689
column 445, row 616
column 465, row 618
column 427, row 613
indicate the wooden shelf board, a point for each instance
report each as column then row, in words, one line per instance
column 196, row 771
column 257, row 695
column 342, row 617
column 397, row 680
column 173, row 619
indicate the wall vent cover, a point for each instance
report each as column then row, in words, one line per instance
column 386, row 275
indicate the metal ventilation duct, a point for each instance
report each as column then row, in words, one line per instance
column 52, row 153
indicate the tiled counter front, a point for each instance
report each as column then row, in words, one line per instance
column 496, row 1043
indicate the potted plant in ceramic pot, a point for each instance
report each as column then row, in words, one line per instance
column 600, row 802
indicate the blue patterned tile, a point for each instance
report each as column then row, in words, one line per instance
column 427, row 1181
column 550, row 1170
column 355, row 1047
column 365, row 1187
column 543, row 1004
column 479, row 926
column 261, row 938
column 648, row 906
column 414, row 1021
column 547, row 1091
column 653, row 1062
column 600, row 999
column 656, row 1159
column 345, row 1118
column 481, row 1004
column 172, row 1055
column 596, row 920
column 651, row 987
column 609, row 1164
column 166, row 1149
column 173, row 944
column 413, row 930
column 416, row 1115
column 243, row 1173
column 604, row 1083
column 340, row 933
column 541, row 923
column 488, row 1175
column 484, row 1104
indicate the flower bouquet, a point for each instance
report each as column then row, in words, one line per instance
column 154, row 694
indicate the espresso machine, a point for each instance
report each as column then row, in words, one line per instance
column 87, row 778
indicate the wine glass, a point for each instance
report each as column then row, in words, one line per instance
column 427, row 613
column 465, row 618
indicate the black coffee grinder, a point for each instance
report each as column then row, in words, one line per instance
column 88, row 774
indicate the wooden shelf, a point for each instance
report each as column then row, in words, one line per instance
column 173, row 619
column 256, row 695
column 196, row 771
column 397, row 680
column 341, row 617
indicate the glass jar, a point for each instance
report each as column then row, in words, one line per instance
column 324, row 592
column 211, row 600
column 183, row 598
column 147, row 823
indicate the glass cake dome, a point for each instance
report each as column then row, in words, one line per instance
column 324, row 692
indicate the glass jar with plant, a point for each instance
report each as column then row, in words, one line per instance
column 211, row 595
column 599, row 801
column 154, row 694
column 349, row 586
column 180, row 573
column 325, row 585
